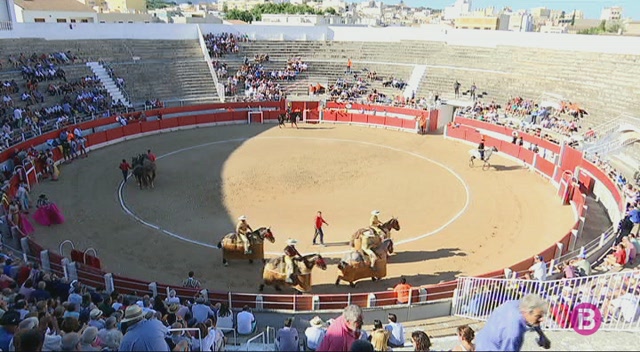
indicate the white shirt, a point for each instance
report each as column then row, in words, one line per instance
column 225, row 322
column 245, row 320
column 314, row 336
column 397, row 333
column 539, row 271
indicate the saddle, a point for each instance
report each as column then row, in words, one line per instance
column 233, row 239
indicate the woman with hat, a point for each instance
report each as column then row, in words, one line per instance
column 290, row 253
column 315, row 333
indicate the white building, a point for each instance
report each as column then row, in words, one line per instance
column 516, row 22
column 53, row 11
column 302, row 20
column 460, row 8
column 613, row 13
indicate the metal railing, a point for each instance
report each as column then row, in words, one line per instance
column 614, row 296
column 6, row 25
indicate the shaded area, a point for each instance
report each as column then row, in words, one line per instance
column 418, row 256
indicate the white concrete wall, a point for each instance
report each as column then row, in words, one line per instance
column 6, row 11
column 570, row 42
column 29, row 16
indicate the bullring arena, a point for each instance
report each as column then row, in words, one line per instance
column 219, row 158
column 453, row 218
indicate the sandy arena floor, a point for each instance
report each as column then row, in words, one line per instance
column 280, row 178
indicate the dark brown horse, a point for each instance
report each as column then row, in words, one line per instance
column 233, row 249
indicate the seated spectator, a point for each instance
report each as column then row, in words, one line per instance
column 466, row 336
column 224, row 317
column 361, row 346
column 538, row 271
column 142, row 334
column 315, row 333
column 420, row 341
column 397, row 331
column 343, row 331
column 88, row 340
column 380, row 339
column 201, row 311
column 112, row 340
column 582, row 265
column 246, row 322
column 287, row 337
column 615, row 260
column 630, row 249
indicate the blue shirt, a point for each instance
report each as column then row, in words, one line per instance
column 147, row 335
column 5, row 339
column 504, row 330
column 634, row 215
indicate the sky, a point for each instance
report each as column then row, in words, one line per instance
column 591, row 8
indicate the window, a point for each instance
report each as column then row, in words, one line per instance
column 73, row 21
column 84, row 21
column 61, row 20
column 130, row 22
column 38, row 20
column 102, row 22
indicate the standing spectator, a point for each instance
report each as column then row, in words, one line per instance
column 343, row 331
column 466, row 336
column 402, row 291
column 191, row 282
column 420, row 340
column 506, row 326
column 456, row 89
column 246, row 321
column 142, row 334
column 472, row 91
column 318, row 228
column 125, row 167
column 538, row 271
column 397, row 331
column 315, row 333
column 287, row 337
column 634, row 216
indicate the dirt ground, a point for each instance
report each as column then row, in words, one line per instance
column 280, row 178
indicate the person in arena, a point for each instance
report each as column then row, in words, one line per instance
column 290, row 254
column 375, row 223
column 242, row 229
column 151, row 156
column 367, row 244
column 481, row 149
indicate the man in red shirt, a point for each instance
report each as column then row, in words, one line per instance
column 151, row 156
column 402, row 291
column 318, row 228
column 125, row 167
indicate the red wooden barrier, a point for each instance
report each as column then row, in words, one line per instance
column 545, row 166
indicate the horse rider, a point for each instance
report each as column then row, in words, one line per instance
column 481, row 149
column 150, row 155
column 242, row 229
column 290, row 254
column 375, row 223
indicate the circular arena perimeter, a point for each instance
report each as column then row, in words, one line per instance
column 454, row 219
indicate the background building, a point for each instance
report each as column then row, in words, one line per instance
column 458, row 9
column 613, row 13
column 53, row 11
column 486, row 23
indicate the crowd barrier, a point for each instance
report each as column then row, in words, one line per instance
column 616, row 295
column 106, row 131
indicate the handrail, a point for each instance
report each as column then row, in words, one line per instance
column 235, row 333
column 212, row 70
column 63, row 243
column 260, row 335
column 95, row 253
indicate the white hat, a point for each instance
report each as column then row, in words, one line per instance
column 291, row 242
column 242, row 217
column 375, row 212
column 316, row 321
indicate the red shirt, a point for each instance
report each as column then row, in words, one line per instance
column 125, row 166
column 621, row 256
column 319, row 222
column 152, row 156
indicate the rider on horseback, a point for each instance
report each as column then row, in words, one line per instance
column 368, row 239
column 375, row 223
column 481, row 149
column 242, row 229
column 290, row 253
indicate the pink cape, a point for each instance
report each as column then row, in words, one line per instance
column 25, row 225
column 48, row 215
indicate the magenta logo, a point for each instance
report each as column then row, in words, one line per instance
column 586, row 319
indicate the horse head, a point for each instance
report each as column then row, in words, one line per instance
column 394, row 223
column 268, row 235
column 494, row 148
column 320, row 262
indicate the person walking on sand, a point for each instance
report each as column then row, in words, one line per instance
column 318, row 228
column 125, row 167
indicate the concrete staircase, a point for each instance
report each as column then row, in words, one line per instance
column 109, row 84
column 414, row 80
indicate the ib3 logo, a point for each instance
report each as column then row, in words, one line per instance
column 586, row 319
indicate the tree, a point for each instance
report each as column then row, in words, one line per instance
column 225, row 8
column 236, row 14
column 331, row 11
column 157, row 4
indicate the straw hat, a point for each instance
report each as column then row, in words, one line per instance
column 375, row 212
column 173, row 309
column 133, row 313
column 316, row 322
column 291, row 242
column 242, row 217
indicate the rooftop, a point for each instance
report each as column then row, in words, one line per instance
column 53, row 5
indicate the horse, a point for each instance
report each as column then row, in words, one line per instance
column 391, row 224
column 274, row 273
column 356, row 265
column 232, row 249
column 475, row 154
column 144, row 170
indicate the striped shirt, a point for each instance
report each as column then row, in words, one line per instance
column 191, row 283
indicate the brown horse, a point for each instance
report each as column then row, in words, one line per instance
column 233, row 249
column 356, row 238
column 356, row 265
column 274, row 273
